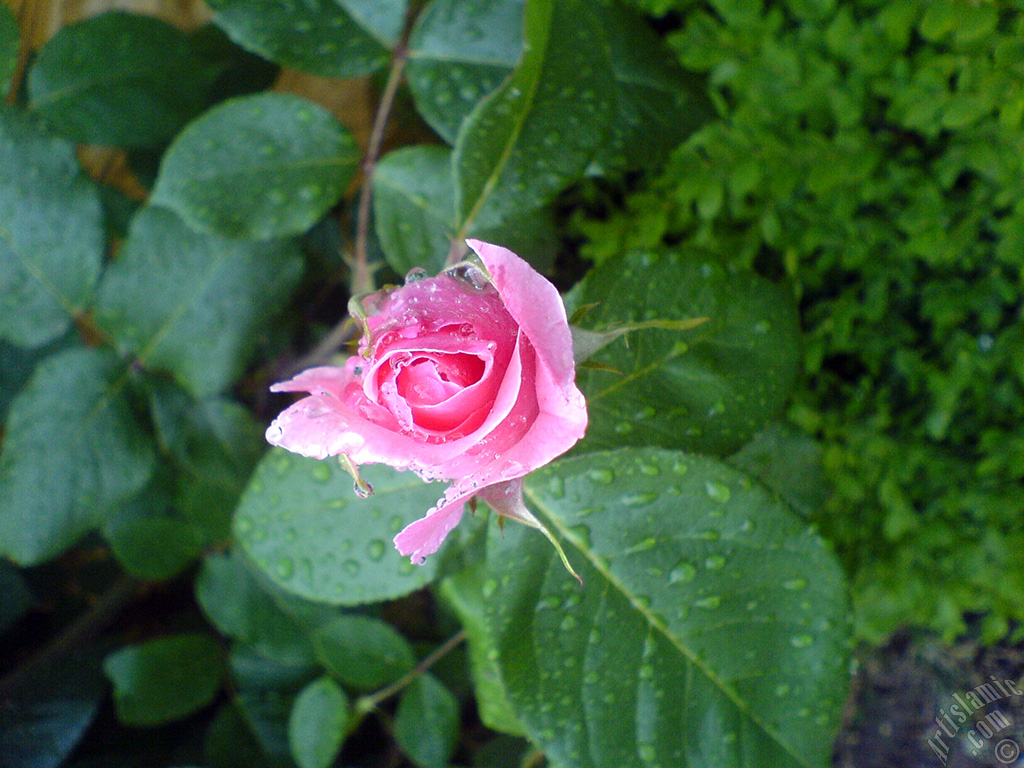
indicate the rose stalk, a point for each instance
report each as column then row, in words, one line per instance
column 466, row 377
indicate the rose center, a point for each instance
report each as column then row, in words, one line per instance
column 426, row 381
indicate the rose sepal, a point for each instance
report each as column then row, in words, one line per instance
column 586, row 343
column 506, row 499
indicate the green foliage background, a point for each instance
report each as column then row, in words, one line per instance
column 872, row 152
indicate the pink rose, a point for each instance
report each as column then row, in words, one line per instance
column 464, row 377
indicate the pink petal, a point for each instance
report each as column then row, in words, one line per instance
column 425, row 536
column 534, row 304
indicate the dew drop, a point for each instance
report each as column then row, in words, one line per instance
column 623, row 428
column 708, row 602
column 646, row 672
column 602, row 476
column 683, row 573
column 362, row 489
column 351, row 567
column 548, row 603
column 801, row 641
column 646, row 752
column 489, row 588
column 717, row 491
column 714, row 563
column 795, row 584
column 709, row 534
column 680, row 468
column 556, row 487
column 638, row 499
column 376, row 549
column 782, row 689
column 415, row 275
column 470, row 277
column 321, row 472
column 568, row 623
column 285, row 568
column 649, row 469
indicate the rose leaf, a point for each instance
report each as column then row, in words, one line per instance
column 712, row 628
column 73, row 452
column 459, row 52
column 257, row 167
column 51, row 233
column 302, row 524
column 120, row 79
column 708, row 389
column 193, row 304
column 333, row 38
column 536, row 134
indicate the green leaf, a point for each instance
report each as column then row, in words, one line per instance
column 51, row 233
column 335, row 38
column 10, row 42
column 658, row 105
column 266, row 690
column 414, row 213
column 362, row 651
column 48, row 709
column 230, row 743
column 535, row 135
column 244, row 610
column 193, row 304
column 707, row 390
column 257, row 167
column 414, row 207
column 711, row 617
column 17, row 364
column 790, row 463
column 15, row 596
column 156, row 548
column 73, row 451
column 427, row 723
column 164, row 679
column 316, row 726
column 118, row 78
column 460, row 51
column 215, row 443
column 463, row 593
column 303, row 525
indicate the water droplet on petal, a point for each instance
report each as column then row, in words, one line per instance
column 470, row 276
column 415, row 275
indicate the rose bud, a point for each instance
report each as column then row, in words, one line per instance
column 466, row 377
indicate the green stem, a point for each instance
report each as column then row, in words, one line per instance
column 368, row 703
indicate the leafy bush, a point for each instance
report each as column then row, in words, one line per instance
column 246, row 606
column 871, row 151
